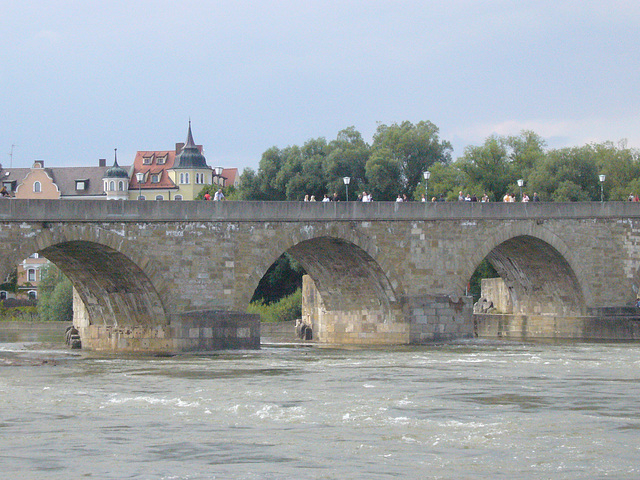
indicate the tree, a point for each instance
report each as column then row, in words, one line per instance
column 414, row 148
column 55, row 296
column 283, row 278
column 383, row 175
column 488, row 167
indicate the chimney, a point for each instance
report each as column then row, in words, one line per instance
column 179, row 147
column 102, row 162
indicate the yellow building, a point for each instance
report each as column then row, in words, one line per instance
column 171, row 175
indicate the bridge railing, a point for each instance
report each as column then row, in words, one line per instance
column 12, row 210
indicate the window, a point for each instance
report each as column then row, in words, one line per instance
column 159, row 197
column 162, row 160
column 184, row 178
column 155, row 178
column 31, row 275
column 10, row 186
column 33, row 295
column 142, row 197
column 177, row 197
column 81, row 184
column 37, row 187
column 200, row 178
column 121, row 186
column 3, row 295
column 147, row 160
column 112, row 186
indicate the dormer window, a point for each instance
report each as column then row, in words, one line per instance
column 155, row 178
column 147, row 160
column 82, row 185
column 162, row 160
column 37, row 187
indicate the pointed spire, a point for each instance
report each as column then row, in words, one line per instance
column 190, row 143
column 116, row 171
column 190, row 156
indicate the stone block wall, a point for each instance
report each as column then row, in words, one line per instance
column 199, row 331
column 495, row 290
column 552, row 327
column 421, row 319
column 439, row 317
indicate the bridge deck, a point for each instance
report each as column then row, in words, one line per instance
column 12, row 210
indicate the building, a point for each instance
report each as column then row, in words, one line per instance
column 30, row 272
column 177, row 174
column 60, row 182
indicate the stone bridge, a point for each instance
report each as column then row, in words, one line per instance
column 384, row 273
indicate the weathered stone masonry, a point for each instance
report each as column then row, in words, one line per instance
column 385, row 272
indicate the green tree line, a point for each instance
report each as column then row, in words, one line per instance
column 394, row 162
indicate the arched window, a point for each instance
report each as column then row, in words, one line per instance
column 186, row 178
column 31, row 275
column 105, row 185
column 178, row 197
column 121, row 186
column 112, row 186
column 159, row 197
column 33, row 294
column 37, row 187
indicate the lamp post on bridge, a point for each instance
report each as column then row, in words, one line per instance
column 217, row 172
column 602, row 178
column 140, row 178
column 426, row 176
column 346, row 181
column 520, row 184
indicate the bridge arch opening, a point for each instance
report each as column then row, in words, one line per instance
column 114, row 291
column 346, row 294
column 534, row 278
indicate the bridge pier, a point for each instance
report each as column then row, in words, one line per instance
column 196, row 331
column 412, row 320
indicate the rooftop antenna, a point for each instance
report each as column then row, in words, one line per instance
column 11, row 155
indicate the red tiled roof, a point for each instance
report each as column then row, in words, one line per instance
column 169, row 157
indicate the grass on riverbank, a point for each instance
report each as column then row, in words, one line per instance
column 19, row 314
column 287, row 308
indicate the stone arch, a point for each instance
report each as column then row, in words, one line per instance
column 112, row 280
column 354, row 255
column 538, row 269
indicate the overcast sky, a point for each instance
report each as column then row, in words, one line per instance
column 80, row 78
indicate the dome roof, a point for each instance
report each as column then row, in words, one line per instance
column 116, row 171
column 190, row 156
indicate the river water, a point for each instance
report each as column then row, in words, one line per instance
column 471, row 410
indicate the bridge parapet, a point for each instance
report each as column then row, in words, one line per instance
column 12, row 210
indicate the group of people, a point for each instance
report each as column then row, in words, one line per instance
column 633, row 198
column 326, row 198
column 217, row 197
column 509, row 197
column 472, row 198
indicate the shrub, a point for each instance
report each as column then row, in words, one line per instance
column 287, row 308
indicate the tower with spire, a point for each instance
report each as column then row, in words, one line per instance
column 190, row 171
column 116, row 181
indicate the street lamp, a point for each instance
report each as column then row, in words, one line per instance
column 520, row 184
column 217, row 172
column 346, row 181
column 602, row 178
column 426, row 176
column 140, row 178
